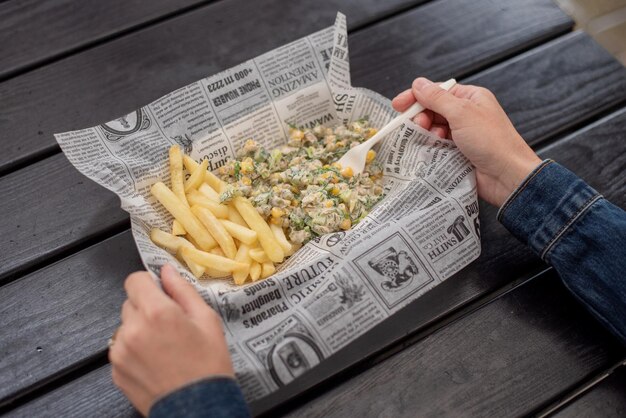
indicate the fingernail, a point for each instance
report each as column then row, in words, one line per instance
column 420, row 83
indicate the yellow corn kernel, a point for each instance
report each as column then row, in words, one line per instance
column 329, row 203
column 337, row 165
column 335, row 191
column 294, row 203
column 326, row 166
column 345, row 224
column 246, row 180
column 296, row 134
column 276, row 221
column 371, row 132
column 371, row 154
column 341, row 144
column 277, row 212
column 347, row 172
column 247, row 166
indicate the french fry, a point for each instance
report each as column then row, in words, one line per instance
column 174, row 244
column 195, row 180
column 242, row 256
column 279, row 234
column 235, row 217
column 255, row 271
column 215, row 227
column 211, row 179
column 267, row 269
column 176, row 173
column 170, row 242
column 197, row 269
column 259, row 255
column 177, row 228
column 215, row 182
column 243, row 234
column 215, row 273
column 196, row 198
column 213, row 261
column 265, row 236
column 209, row 193
column 190, row 164
column 182, row 214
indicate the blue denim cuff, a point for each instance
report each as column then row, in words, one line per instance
column 545, row 205
column 213, row 397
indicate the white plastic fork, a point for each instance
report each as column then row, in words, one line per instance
column 355, row 157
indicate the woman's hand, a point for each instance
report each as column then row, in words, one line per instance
column 166, row 340
column 473, row 118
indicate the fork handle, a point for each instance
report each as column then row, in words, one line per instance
column 410, row 113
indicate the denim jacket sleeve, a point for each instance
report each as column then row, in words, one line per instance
column 214, row 397
column 582, row 235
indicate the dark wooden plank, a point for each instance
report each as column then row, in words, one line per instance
column 93, row 395
column 38, row 246
column 65, row 220
column 115, row 78
column 32, row 32
column 449, row 38
column 578, row 80
column 59, row 317
column 503, row 360
column 605, row 399
column 587, row 96
column 597, row 153
column 49, row 208
column 602, row 146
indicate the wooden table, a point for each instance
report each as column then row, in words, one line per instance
column 503, row 337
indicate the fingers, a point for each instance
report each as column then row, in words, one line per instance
column 431, row 96
column 441, row 130
column 129, row 312
column 143, row 292
column 182, row 292
column 424, row 119
column 403, row 100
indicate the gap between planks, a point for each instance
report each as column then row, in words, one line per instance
column 497, row 60
column 99, row 359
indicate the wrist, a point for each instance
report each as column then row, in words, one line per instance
column 514, row 173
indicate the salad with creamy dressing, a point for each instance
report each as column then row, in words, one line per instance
column 301, row 187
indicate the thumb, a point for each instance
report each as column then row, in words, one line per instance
column 181, row 291
column 433, row 97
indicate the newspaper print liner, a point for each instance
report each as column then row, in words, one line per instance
column 338, row 286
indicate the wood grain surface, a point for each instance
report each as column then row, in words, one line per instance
column 50, row 208
column 117, row 77
column 33, row 242
column 32, row 32
column 503, row 360
column 59, row 317
column 503, row 261
column 449, row 38
column 607, row 399
column 456, row 347
column 92, row 395
column 48, row 238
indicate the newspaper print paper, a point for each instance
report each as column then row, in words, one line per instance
column 337, row 287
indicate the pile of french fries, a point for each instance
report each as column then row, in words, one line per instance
column 216, row 240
